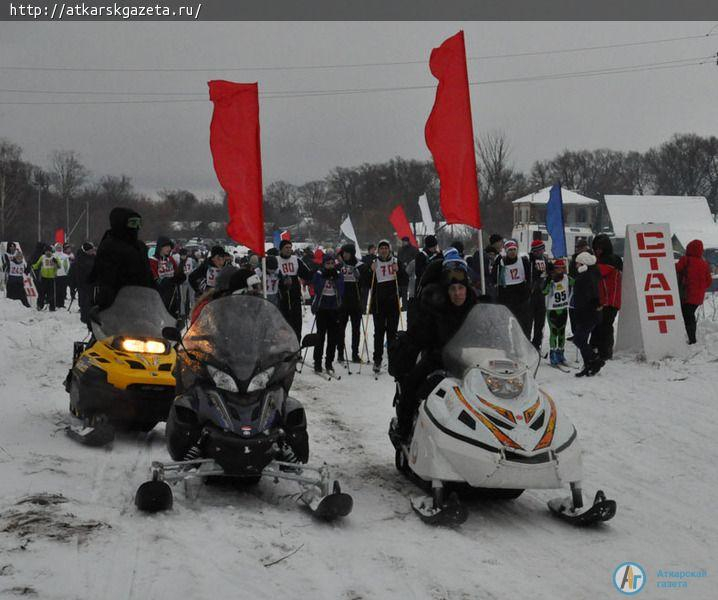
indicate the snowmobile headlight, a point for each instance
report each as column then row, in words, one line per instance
column 222, row 380
column 504, row 387
column 260, row 380
column 143, row 346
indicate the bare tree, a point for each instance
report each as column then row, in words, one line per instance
column 68, row 177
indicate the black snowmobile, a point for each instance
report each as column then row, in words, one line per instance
column 233, row 416
column 123, row 376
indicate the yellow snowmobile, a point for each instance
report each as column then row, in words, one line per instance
column 123, row 377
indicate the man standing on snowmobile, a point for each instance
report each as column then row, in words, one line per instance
column 168, row 275
column 539, row 271
column 387, row 276
column 328, row 285
column 292, row 271
column 121, row 258
column 443, row 308
column 204, row 277
column 512, row 274
column 351, row 307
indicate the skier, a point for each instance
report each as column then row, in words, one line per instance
column 539, row 271
column 290, row 294
column 511, row 274
column 61, row 277
column 429, row 252
column 187, row 259
column 351, row 307
column 79, row 273
column 167, row 275
column 328, row 285
column 586, row 306
column 387, row 276
column 67, row 249
column 48, row 265
column 366, row 279
column 610, row 267
column 7, row 257
column 694, row 278
column 557, row 291
column 442, row 309
column 273, row 279
column 16, row 269
column 205, row 276
column 121, row 258
column 406, row 254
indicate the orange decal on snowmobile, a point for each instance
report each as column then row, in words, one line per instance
column 498, row 434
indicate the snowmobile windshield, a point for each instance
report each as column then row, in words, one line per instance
column 489, row 333
column 135, row 312
column 248, row 334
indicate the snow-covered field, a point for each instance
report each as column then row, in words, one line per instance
column 69, row 528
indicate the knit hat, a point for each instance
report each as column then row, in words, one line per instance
column 586, row 258
column 430, row 241
column 509, row 244
column 272, row 264
column 283, row 243
column 537, row 246
column 559, row 263
column 453, row 260
column 384, row 243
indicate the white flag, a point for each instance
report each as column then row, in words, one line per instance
column 348, row 230
column 426, row 215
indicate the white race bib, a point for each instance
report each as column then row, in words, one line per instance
column 559, row 294
column 515, row 273
column 329, row 288
column 272, row 284
column 289, row 267
column 17, row 270
column 350, row 273
column 165, row 269
column 212, row 273
column 386, row 271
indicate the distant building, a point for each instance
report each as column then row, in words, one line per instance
column 579, row 213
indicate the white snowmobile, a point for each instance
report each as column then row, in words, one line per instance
column 486, row 423
column 232, row 416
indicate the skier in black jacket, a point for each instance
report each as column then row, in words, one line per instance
column 539, row 271
column 429, row 252
column 512, row 274
column 121, row 258
column 388, row 275
column 292, row 271
column 586, row 308
column 79, row 275
column 351, row 306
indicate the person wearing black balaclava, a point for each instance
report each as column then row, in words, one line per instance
column 351, row 307
column 121, row 258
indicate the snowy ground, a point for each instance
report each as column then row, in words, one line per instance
column 69, row 529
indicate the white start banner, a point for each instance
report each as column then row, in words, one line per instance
column 650, row 322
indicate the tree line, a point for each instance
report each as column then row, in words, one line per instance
column 686, row 164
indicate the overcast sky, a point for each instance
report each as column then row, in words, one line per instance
column 165, row 145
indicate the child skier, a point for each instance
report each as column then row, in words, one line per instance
column 557, row 289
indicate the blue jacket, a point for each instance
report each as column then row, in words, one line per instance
column 323, row 301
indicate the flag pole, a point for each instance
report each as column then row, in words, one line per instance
column 481, row 262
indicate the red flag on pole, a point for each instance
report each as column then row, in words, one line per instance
column 234, row 141
column 285, row 235
column 59, row 236
column 450, row 136
column 401, row 225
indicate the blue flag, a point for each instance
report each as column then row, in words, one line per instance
column 554, row 222
column 277, row 235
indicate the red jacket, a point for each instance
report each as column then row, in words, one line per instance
column 609, row 290
column 694, row 274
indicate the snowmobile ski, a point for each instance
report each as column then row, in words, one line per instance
column 601, row 510
column 329, row 507
column 95, row 436
column 450, row 513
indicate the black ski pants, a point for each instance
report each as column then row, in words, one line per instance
column 602, row 338
column 585, row 322
column 409, row 399
column 386, row 324
column 327, row 329
column 46, row 293
column 689, row 317
column 60, row 291
column 353, row 315
column 84, row 299
column 538, row 318
column 16, row 290
column 292, row 311
column 522, row 312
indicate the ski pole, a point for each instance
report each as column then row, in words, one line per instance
column 306, row 350
column 365, row 318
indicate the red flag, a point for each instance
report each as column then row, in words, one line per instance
column 60, row 236
column 401, row 225
column 449, row 134
column 234, row 141
column 285, row 235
